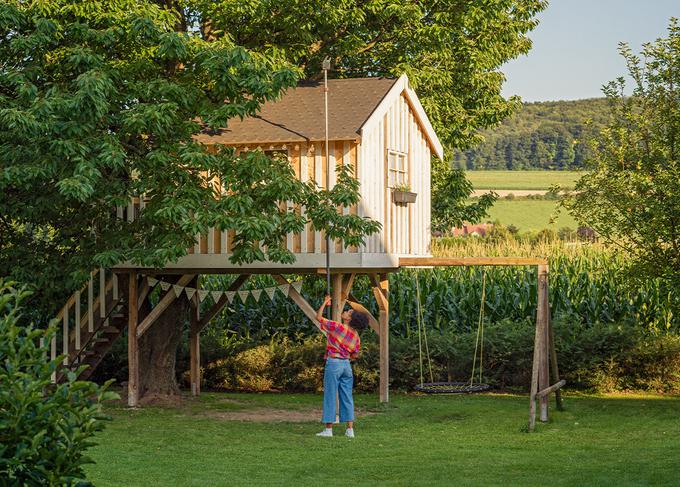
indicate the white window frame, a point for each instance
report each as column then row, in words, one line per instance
column 397, row 174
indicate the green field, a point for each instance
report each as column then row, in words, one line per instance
column 426, row 440
column 522, row 179
column 527, row 214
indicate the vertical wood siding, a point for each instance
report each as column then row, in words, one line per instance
column 405, row 228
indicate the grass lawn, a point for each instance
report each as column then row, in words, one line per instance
column 527, row 214
column 522, row 179
column 428, row 440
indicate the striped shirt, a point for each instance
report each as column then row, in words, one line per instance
column 341, row 341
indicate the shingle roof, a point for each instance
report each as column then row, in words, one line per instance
column 298, row 115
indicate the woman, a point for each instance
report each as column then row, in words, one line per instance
column 342, row 344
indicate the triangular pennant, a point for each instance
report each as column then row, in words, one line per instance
column 178, row 289
column 216, row 295
column 152, row 281
column 284, row 288
column 165, row 285
column 270, row 292
column 244, row 296
column 297, row 285
column 256, row 294
column 190, row 292
column 202, row 294
column 230, row 295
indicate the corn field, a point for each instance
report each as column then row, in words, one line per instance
column 586, row 285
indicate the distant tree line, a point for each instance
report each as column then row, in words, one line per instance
column 543, row 135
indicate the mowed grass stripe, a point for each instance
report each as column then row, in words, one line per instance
column 531, row 215
column 522, row 179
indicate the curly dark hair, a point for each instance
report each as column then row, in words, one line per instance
column 359, row 321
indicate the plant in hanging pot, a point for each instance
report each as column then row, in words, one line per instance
column 402, row 195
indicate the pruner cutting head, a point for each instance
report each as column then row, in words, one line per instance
column 326, row 65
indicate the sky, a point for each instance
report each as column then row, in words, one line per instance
column 575, row 46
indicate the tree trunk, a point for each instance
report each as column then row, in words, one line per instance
column 158, row 350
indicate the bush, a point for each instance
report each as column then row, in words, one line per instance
column 44, row 428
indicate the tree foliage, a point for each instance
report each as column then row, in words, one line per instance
column 99, row 103
column 550, row 135
column 631, row 196
column 451, row 50
column 44, row 429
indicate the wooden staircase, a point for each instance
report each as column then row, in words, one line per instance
column 91, row 320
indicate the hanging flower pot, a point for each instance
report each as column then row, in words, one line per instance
column 402, row 197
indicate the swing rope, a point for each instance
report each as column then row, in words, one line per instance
column 452, row 387
column 479, row 342
column 424, row 332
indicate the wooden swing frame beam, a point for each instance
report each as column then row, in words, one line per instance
column 545, row 356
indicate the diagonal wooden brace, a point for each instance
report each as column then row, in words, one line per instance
column 302, row 303
column 162, row 305
column 372, row 322
column 221, row 303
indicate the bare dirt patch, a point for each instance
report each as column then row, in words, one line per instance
column 269, row 415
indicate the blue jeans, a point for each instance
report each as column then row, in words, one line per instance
column 338, row 380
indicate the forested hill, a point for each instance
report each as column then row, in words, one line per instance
column 541, row 135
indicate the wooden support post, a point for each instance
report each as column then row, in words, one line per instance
column 534, row 376
column 380, row 291
column 543, row 369
column 133, row 346
column 337, row 303
column 195, row 346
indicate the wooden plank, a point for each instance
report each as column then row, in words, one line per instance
column 534, row 377
column 543, row 370
column 195, row 347
column 469, row 261
column 304, row 177
column 65, row 337
column 102, row 293
column 378, row 292
column 90, row 304
column 76, row 323
column 383, row 319
column 299, row 300
column 114, row 279
column 318, row 177
column 144, row 292
column 387, row 224
column 222, row 302
column 133, row 345
column 162, row 305
column 337, row 303
column 53, row 355
column 552, row 388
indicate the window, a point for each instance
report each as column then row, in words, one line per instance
column 397, row 173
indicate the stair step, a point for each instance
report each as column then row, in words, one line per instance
column 90, row 353
column 111, row 329
column 97, row 341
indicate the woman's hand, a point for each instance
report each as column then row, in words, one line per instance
column 326, row 302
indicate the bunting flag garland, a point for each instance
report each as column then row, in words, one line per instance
column 217, row 295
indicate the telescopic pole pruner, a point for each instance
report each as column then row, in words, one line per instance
column 326, row 66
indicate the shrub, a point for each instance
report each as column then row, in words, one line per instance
column 44, row 429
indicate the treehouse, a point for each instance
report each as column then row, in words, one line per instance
column 378, row 127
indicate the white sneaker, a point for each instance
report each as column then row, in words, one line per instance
column 349, row 433
column 327, row 432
